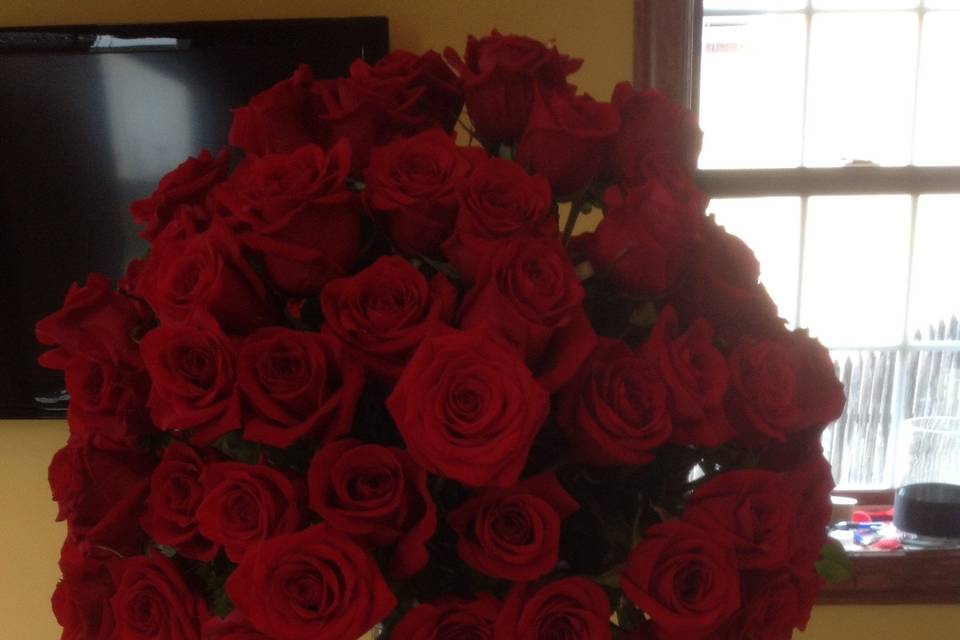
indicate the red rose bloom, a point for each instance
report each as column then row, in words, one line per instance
column 279, row 120
column 774, row 604
column 567, row 608
column 615, row 411
column 188, row 184
column 379, row 496
column 450, row 620
column 296, row 385
column 683, row 579
column 81, row 601
column 499, row 75
column 384, row 311
column 411, row 186
column 782, row 384
column 567, row 140
column 343, row 111
column 752, row 511
column 313, row 585
column 153, row 601
column 101, row 494
column 193, row 371
column 813, row 483
column 244, row 504
column 175, row 494
column 514, row 533
column 498, row 201
column 695, row 374
column 186, row 221
column 234, row 627
column 206, row 274
column 296, row 211
column 468, row 408
column 529, row 291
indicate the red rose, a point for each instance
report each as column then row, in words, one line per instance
column 415, row 92
column 234, row 627
column 752, row 511
column 723, row 286
column 175, row 494
column 529, row 291
column 343, row 111
column 695, row 374
column 101, row 494
column 313, row 585
column 296, row 385
column 781, row 384
column 645, row 237
column 244, row 504
column 296, row 211
column 514, row 533
column 193, row 370
column 411, row 185
column 153, row 601
column 498, row 201
column 568, row 608
column 188, row 184
column 499, row 76
column 81, row 601
column 615, row 411
column 279, row 120
column 450, row 620
column 774, row 604
column 567, row 140
column 681, row 577
column 652, row 124
column 378, row 495
column 468, row 408
column 814, row 483
column 94, row 321
column 186, row 221
column 384, row 311
column 206, row 274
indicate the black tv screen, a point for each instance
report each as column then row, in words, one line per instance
column 90, row 119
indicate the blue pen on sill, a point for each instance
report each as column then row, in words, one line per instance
column 858, row 526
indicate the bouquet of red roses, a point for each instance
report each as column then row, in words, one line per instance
column 364, row 378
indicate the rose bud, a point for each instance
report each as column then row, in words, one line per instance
column 567, row 608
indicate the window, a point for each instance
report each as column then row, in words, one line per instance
column 832, row 146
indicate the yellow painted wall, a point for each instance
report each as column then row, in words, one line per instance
column 601, row 31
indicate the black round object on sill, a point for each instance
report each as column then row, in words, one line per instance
column 928, row 509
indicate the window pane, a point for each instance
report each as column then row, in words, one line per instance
column 857, row 444
column 751, row 90
column 771, row 227
column 865, row 4
column 942, row 4
column 934, row 290
column 860, row 104
column 932, row 383
column 753, row 5
column 855, row 269
column 938, row 127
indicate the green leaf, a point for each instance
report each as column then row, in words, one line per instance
column 833, row 565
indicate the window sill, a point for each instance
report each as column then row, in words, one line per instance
column 923, row 576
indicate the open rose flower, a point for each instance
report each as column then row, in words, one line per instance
column 295, row 385
column 567, row 608
column 383, row 312
column 280, row 119
column 529, row 291
column 468, row 408
column 411, row 186
column 188, row 184
column 681, row 577
column 295, row 210
column 175, row 494
column 514, row 533
column 234, row 627
column 774, row 604
column 615, row 411
column 379, row 496
column 81, row 601
column 153, row 600
column 498, row 201
column 450, row 619
column 499, row 76
column 695, row 374
column 101, row 494
column 193, row 369
column 316, row 584
column 244, row 504
column 567, row 140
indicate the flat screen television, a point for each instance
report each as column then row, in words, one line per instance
column 90, row 119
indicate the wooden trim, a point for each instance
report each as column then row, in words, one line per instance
column 805, row 181
column 928, row 576
column 666, row 52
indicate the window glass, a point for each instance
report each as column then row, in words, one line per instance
column 753, row 5
column 938, row 103
column 935, row 280
column 865, row 4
